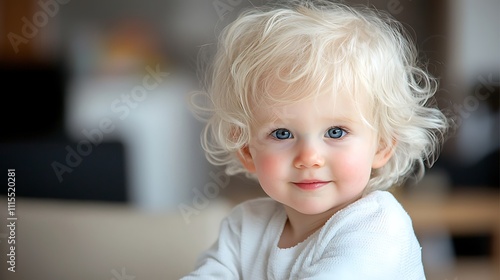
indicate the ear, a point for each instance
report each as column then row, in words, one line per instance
column 246, row 159
column 383, row 154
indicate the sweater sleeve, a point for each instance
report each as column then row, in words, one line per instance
column 221, row 260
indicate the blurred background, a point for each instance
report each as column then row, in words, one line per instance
column 111, row 181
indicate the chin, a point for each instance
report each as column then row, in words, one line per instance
column 313, row 209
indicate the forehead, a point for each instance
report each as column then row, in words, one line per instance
column 325, row 105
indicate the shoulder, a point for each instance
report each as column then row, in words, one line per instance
column 255, row 211
column 379, row 201
column 257, row 204
column 376, row 223
column 378, row 211
column 377, row 230
column 261, row 206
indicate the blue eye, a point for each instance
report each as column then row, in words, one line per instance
column 281, row 134
column 335, row 132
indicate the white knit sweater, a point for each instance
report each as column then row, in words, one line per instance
column 372, row 238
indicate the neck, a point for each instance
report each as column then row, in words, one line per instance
column 300, row 226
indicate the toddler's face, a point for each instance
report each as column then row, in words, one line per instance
column 315, row 155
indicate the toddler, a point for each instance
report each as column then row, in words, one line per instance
column 328, row 108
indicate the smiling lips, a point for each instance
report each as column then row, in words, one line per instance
column 311, row 184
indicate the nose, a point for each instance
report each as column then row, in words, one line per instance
column 309, row 156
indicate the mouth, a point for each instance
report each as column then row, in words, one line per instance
column 311, row 184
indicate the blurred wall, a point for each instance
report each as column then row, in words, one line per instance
column 78, row 70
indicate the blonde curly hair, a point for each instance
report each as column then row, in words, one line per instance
column 315, row 46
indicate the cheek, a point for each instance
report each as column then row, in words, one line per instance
column 354, row 166
column 268, row 164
